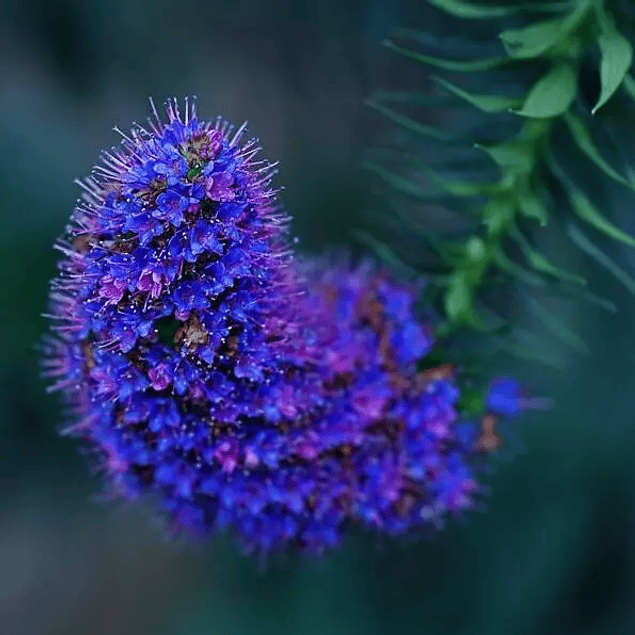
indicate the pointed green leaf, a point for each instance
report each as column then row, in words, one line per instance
column 383, row 251
column 556, row 326
column 531, row 205
column 458, row 300
column 589, row 213
column 514, row 155
column 447, row 204
column 455, row 66
column 461, row 9
column 538, row 38
column 583, row 138
column 473, row 11
column 534, row 131
column 409, row 188
column 485, row 103
column 540, row 263
column 581, row 294
column 629, row 86
column 460, row 188
column 407, row 122
column 552, row 94
column 585, row 209
column 497, row 214
column 514, row 269
column 534, row 348
column 533, row 40
column 599, row 256
column 547, row 7
column 617, row 57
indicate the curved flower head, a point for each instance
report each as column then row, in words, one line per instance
column 402, row 448
column 241, row 388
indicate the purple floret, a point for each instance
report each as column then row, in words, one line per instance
column 211, row 370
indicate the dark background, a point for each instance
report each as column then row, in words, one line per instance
column 555, row 550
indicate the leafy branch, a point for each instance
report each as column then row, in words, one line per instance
column 563, row 90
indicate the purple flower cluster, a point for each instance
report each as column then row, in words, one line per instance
column 210, row 369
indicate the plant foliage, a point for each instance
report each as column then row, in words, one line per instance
column 540, row 97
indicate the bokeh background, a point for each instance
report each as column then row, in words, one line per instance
column 555, row 550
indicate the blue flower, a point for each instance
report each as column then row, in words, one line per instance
column 210, row 369
column 170, row 206
column 504, row 397
column 188, row 296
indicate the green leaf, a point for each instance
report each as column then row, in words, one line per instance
column 407, row 122
column 556, row 326
column 533, row 40
column 581, row 294
column 410, row 188
column 552, row 94
column 534, row 348
column 514, row 269
column 460, row 188
column 467, row 10
column 458, row 300
column 629, row 86
column 194, row 172
column 617, row 57
column 587, row 212
column 455, row 66
column 600, row 257
column 451, row 253
column 540, row 263
column 531, row 205
column 383, row 251
column 397, row 181
column 582, row 137
column 497, row 214
column 485, row 103
column 535, row 131
column 471, row 401
column 476, row 250
column 516, row 156
column 585, row 209
column 536, row 39
column 548, row 7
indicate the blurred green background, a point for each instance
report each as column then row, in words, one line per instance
column 555, row 550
